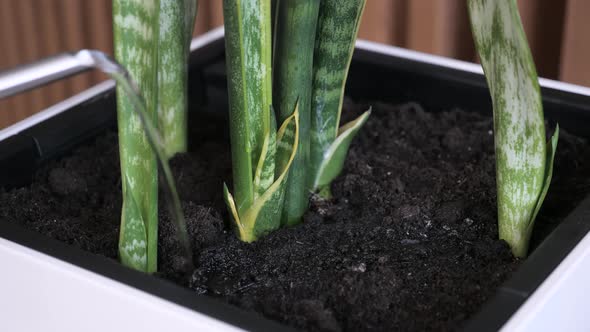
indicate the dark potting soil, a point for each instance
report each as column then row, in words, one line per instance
column 409, row 241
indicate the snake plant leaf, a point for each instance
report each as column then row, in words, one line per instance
column 177, row 19
column 288, row 132
column 136, row 35
column 233, row 211
column 257, row 66
column 248, row 53
column 263, row 216
column 265, row 171
column 337, row 28
column 523, row 166
column 132, row 236
column 134, row 95
column 336, row 154
column 294, row 38
column 548, row 174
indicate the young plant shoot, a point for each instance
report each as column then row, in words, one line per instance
column 337, row 29
column 261, row 156
column 294, row 39
column 524, row 163
column 136, row 26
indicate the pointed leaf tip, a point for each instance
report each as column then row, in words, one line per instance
column 548, row 174
column 336, row 155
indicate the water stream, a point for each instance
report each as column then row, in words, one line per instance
column 101, row 61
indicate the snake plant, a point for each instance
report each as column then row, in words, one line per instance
column 177, row 19
column 261, row 156
column 137, row 34
column 337, row 29
column 303, row 71
column 294, row 40
column 524, row 162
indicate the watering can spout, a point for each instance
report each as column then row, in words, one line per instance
column 99, row 60
column 36, row 74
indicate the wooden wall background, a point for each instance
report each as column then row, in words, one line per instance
column 558, row 32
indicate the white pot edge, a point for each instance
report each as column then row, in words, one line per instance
column 560, row 303
column 43, row 293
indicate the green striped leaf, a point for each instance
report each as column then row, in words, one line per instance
column 336, row 154
column 136, row 31
column 176, row 24
column 295, row 32
column 248, row 54
column 337, row 28
column 265, row 171
column 132, row 235
column 547, row 178
column 263, row 216
column 523, row 166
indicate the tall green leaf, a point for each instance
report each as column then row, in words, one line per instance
column 127, row 85
column 177, row 19
column 248, row 54
column 523, row 165
column 260, row 156
column 294, row 37
column 337, row 28
column 136, row 31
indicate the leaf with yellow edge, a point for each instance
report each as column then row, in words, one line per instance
column 264, row 214
column 233, row 211
column 265, row 169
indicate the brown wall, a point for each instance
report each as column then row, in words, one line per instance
column 33, row 29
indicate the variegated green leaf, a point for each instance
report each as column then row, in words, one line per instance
column 548, row 175
column 336, row 154
column 337, row 28
column 257, row 66
column 134, row 95
column 286, row 136
column 523, row 169
column 248, row 54
column 264, row 175
column 136, row 31
column 264, row 214
column 295, row 32
column 132, row 235
column 176, row 24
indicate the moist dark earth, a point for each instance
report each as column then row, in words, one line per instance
column 409, row 241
